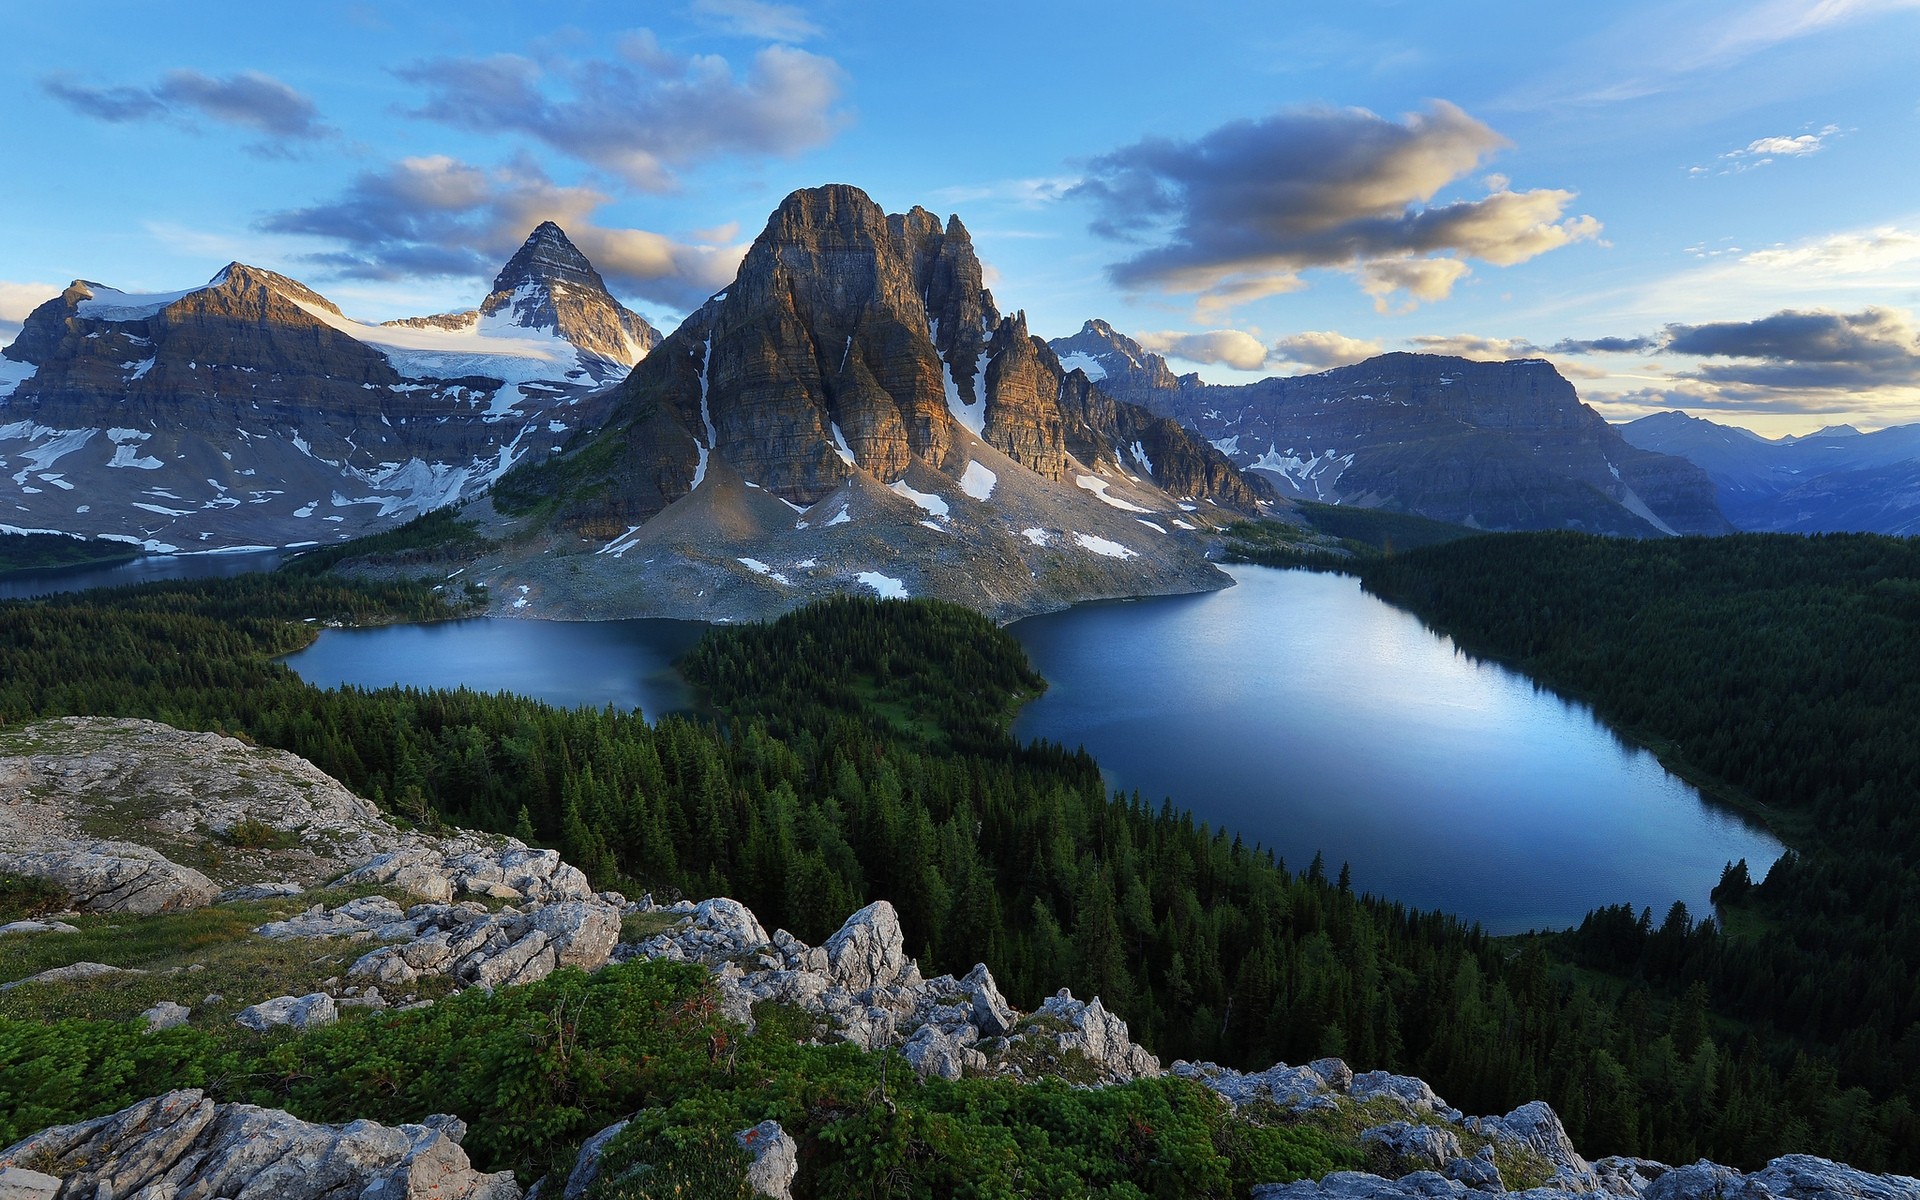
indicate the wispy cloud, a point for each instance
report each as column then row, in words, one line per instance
column 754, row 19
column 440, row 217
column 1240, row 212
column 1761, row 152
column 1318, row 349
column 643, row 114
column 248, row 100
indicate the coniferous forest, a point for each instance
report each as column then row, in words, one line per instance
column 857, row 749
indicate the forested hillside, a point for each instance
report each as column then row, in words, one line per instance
column 1783, row 674
column 863, row 756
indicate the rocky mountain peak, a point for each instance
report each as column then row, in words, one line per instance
column 550, row 285
column 1114, row 360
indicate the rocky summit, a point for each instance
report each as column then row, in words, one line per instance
column 250, row 411
column 1490, row 445
column 855, row 413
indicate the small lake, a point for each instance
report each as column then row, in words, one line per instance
column 1292, row 709
column 150, row 568
column 1305, row 715
column 569, row 664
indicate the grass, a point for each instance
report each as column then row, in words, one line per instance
column 185, row 957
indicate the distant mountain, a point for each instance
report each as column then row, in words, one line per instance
column 250, row 411
column 1835, row 480
column 1489, row 445
column 854, row 412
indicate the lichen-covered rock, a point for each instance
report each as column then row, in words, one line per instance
column 1790, row 1177
column 115, row 877
column 1537, row 1127
column 1089, row 1029
column 74, row 972
column 586, row 1167
column 18, row 1183
column 12, row 928
column 933, row 1051
column 184, row 1145
column 293, row 1012
column 1410, row 1147
column 166, row 1015
column 776, row 1159
column 869, row 950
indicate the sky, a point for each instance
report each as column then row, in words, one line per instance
column 1703, row 205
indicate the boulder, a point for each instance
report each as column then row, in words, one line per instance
column 20, row 927
column 415, row 870
column 869, row 950
column 183, row 1144
column 933, row 1051
column 1098, row 1034
column 1536, row 1126
column 991, row 1012
column 1409, row 1147
column 166, row 1015
column 1413, row 1095
column 69, row 974
column 116, row 877
column 258, row 891
column 294, row 1012
column 586, row 1168
column 776, row 1159
column 18, row 1183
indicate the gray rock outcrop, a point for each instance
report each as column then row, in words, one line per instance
column 184, row 1145
column 292, row 1012
column 115, row 877
column 776, row 1159
column 72, row 973
column 487, row 949
column 869, row 990
column 166, row 1015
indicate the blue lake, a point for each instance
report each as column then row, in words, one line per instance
column 1292, row 709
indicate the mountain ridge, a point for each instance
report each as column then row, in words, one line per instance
column 1487, row 445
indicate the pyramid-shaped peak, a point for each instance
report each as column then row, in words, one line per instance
column 550, row 285
column 548, row 257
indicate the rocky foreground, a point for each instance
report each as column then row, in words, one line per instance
column 491, row 913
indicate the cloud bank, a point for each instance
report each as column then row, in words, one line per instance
column 440, row 217
column 643, row 114
column 248, row 100
column 1241, row 211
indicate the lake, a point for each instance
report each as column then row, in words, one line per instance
column 571, row 664
column 1293, row 709
column 150, row 568
column 1305, row 715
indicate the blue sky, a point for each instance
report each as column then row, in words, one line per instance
column 1712, row 206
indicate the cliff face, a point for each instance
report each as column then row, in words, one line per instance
column 251, row 411
column 1492, row 445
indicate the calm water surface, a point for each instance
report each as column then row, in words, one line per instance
column 149, row 568
column 1303, row 714
column 1293, row 709
column 628, row 664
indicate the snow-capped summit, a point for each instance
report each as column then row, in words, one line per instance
column 549, row 285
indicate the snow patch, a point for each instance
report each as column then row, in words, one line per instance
column 760, row 568
column 840, row 446
column 1140, row 456
column 1099, row 488
column 977, row 481
column 1038, row 537
column 933, row 504
column 1228, row 446
column 1151, row 525
column 619, row 545
column 60, row 443
column 1102, row 546
column 885, row 586
column 13, row 374
column 111, row 304
column 840, row 518
column 1083, row 361
column 126, row 450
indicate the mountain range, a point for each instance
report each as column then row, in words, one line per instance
column 250, row 411
column 1837, row 479
column 854, row 412
column 1490, row 445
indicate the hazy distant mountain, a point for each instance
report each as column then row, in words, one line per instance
column 854, row 412
column 1834, row 480
column 251, row 411
column 1491, row 445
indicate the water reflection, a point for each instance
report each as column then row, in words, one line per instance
column 1308, row 716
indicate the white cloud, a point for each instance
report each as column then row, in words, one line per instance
column 19, row 299
column 1227, row 347
column 1317, row 350
column 1421, row 279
